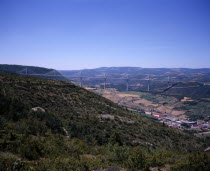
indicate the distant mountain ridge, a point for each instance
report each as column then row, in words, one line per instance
column 182, row 74
column 160, row 79
column 140, row 69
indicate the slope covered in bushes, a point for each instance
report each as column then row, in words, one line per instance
column 79, row 130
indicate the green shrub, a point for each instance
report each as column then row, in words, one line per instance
column 32, row 149
column 136, row 159
column 7, row 160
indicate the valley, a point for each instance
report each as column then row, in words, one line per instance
column 165, row 109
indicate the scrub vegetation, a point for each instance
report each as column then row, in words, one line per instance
column 79, row 130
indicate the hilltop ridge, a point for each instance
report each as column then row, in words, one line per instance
column 33, row 71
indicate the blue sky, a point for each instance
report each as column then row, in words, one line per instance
column 78, row 34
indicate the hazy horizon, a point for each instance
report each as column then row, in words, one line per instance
column 107, row 67
column 78, row 34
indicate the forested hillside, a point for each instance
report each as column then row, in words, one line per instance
column 190, row 89
column 47, row 124
column 32, row 70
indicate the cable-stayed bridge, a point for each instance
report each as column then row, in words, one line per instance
column 79, row 78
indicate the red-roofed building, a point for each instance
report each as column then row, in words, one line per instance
column 158, row 115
